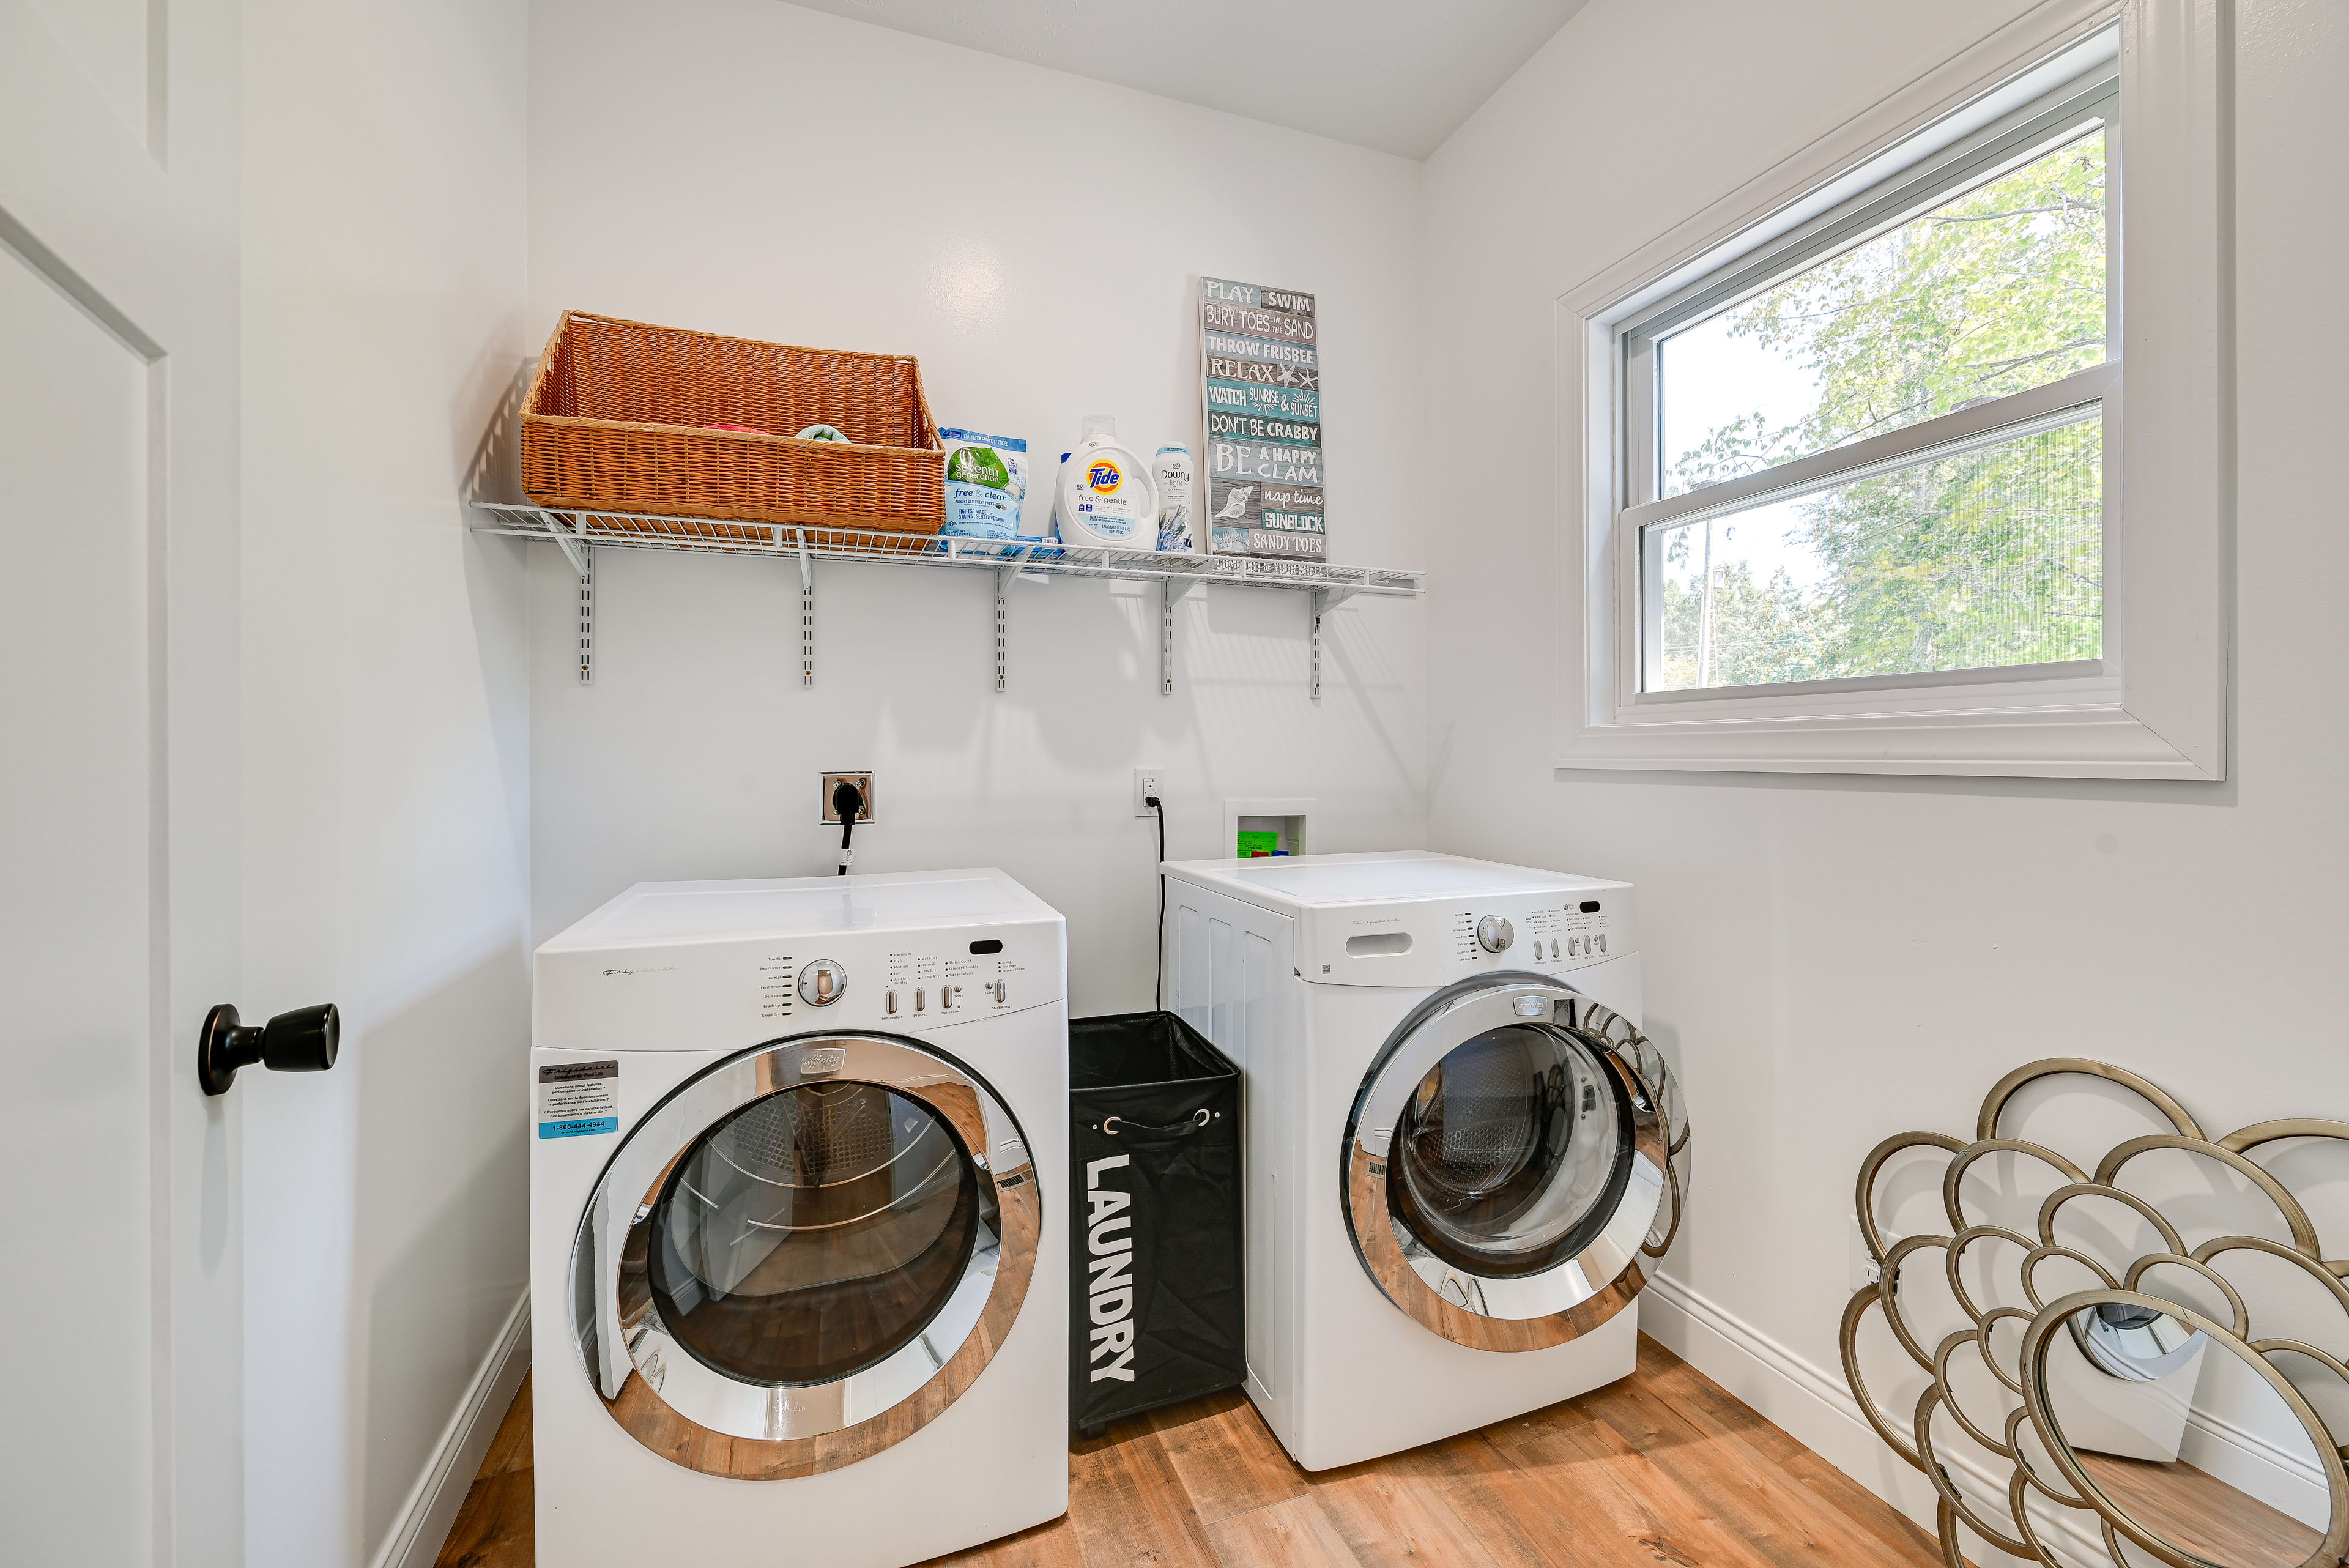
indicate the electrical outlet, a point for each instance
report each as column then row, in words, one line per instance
column 1148, row 782
column 864, row 782
column 1865, row 1270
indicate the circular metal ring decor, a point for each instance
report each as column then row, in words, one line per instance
column 2099, row 1368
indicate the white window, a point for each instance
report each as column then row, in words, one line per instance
column 1859, row 492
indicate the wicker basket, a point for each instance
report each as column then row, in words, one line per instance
column 620, row 415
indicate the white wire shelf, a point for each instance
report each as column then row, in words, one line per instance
column 579, row 533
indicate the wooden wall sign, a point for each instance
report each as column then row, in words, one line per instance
column 1260, row 359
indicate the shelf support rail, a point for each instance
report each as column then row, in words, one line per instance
column 1004, row 577
column 807, row 608
column 1172, row 591
column 1324, row 601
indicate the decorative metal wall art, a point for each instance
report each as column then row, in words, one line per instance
column 2138, row 1375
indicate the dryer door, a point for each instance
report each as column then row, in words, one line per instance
column 1514, row 1163
column 804, row 1254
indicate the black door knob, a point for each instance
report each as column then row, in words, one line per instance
column 302, row 1041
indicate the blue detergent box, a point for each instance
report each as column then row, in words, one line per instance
column 987, row 483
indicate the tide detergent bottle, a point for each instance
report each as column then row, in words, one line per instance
column 1105, row 494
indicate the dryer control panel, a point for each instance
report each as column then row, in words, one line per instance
column 704, row 995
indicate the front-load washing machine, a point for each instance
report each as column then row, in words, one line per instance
column 797, row 1235
column 1464, row 1157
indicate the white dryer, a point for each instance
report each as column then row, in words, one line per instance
column 1464, row 1157
column 798, row 1234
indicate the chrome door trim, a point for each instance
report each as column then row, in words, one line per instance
column 1530, row 1312
column 697, row 1417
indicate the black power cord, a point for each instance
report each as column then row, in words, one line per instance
column 1158, row 995
column 847, row 801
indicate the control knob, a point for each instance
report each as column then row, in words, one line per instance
column 822, row 983
column 1494, row 933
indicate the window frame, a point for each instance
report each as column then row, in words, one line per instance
column 2153, row 710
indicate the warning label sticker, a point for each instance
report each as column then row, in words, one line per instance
column 577, row 1099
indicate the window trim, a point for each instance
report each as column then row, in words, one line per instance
column 2154, row 709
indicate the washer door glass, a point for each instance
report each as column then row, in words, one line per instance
column 1511, row 1152
column 1511, row 1163
column 809, row 1250
column 814, row 1233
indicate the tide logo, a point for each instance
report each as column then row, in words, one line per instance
column 1109, row 1239
column 1103, row 477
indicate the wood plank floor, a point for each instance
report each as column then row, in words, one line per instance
column 1662, row 1467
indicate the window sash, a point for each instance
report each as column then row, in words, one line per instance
column 2075, row 399
column 2072, row 110
column 2064, row 115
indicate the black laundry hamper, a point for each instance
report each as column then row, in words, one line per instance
column 1155, row 1308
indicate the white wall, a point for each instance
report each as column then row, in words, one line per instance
column 386, row 782
column 1034, row 238
column 1834, row 960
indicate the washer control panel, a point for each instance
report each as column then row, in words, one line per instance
column 1437, row 943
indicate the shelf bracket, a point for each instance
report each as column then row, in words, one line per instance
column 807, row 610
column 1172, row 591
column 572, row 539
column 1324, row 601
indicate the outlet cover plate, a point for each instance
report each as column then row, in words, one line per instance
column 1148, row 782
column 862, row 780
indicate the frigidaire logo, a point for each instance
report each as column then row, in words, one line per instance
column 1112, row 1265
column 660, row 968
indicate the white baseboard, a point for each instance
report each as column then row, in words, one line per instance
column 1786, row 1390
column 418, row 1534
column 2249, row 1463
column 1815, row 1406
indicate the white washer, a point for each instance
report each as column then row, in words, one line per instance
column 1463, row 1158
column 798, row 1232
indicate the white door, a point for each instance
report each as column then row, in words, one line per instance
column 118, row 904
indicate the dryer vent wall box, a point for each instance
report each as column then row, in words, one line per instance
column 740, row 1075
column 1382, row 1005
column 1274, row 825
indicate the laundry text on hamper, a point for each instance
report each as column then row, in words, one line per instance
column 1111, row 1264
